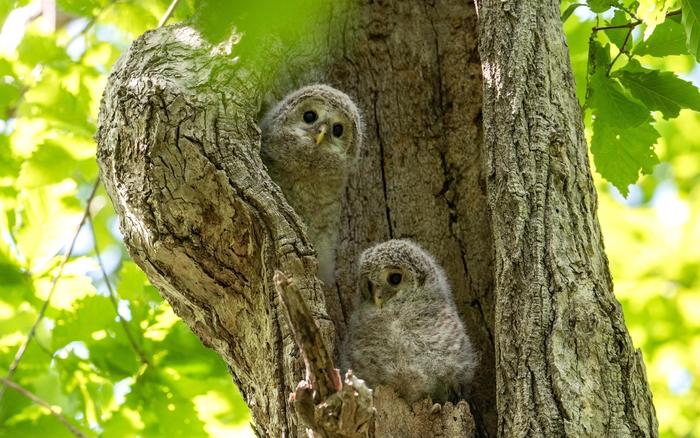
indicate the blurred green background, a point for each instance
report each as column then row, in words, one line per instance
column 115, row 360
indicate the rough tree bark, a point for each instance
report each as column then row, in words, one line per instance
column 565, row 364
column 178, row 153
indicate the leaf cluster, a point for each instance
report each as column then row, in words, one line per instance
column 624, row 99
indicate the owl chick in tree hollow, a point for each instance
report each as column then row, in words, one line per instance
column 310, row 142
column 405, row 331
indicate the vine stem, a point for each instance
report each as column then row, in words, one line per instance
column 113, row 295
column 168, row 13
column 32, row 331
column 31, row 396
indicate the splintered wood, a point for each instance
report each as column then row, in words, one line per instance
column 327, row 405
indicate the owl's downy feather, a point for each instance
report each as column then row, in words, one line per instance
column 405, row 331
column 310, row 142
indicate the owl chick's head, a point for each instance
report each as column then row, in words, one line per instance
column 315, row 128
column 395, row 267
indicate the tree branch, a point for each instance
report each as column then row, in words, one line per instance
column 328, row 406
column 74, row 430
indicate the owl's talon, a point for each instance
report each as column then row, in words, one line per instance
column 435, row 409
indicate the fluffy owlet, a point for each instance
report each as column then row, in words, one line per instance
column 405, row 331
column 310, row 142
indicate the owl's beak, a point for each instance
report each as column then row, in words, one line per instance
column 321, row 134
column 376, row 297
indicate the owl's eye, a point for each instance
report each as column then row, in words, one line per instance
column 395, row 279
column 337, row 130
column 310, row 116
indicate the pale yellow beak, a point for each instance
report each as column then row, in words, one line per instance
column 376, row 298
column 321, row 134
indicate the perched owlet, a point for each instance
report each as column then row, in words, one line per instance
column 405, row 331
column 310, row 142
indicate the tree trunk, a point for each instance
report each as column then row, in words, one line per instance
column 178, row 153
column 565, row 364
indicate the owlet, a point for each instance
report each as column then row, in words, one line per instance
column 310, row 142
column 405, row 331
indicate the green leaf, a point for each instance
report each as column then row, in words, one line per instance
column 131, row 17
column 662, row 91
column 132, row 280
column 82, row 7
column 42, row 212
column 116, row 359
column 611, row 103
column 621, row 153
column 598, row 58
column 89, row 315
column 668, row 39
column 38, row 423
column 40, row 49
column 10, row 88
column 599, row 6
column 9, row 164
column 652, row 13
column 49, row 164
column 570, row 10
column 691, row 23
column 66, row 110
column 121, row 425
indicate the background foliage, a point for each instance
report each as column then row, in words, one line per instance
column 114, row 360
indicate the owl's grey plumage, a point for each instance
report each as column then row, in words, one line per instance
column 405, row 331
column 310, row 142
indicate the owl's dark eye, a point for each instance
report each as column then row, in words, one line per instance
column 395, row 279
column 337, row 130
column 310, row 116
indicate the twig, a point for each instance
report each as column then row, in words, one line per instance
column 630, row 27
column 622, row 50
column 74, row 430
column 113, row 295
column 629, row 12
column 631, row 24
column 168, row 13
column 32, row 331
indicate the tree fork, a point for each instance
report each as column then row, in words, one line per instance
column 178, row 152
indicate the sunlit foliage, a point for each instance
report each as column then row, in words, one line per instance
column 109, row 355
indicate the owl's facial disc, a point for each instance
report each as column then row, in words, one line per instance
column 322, row 125
column 392, row 279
